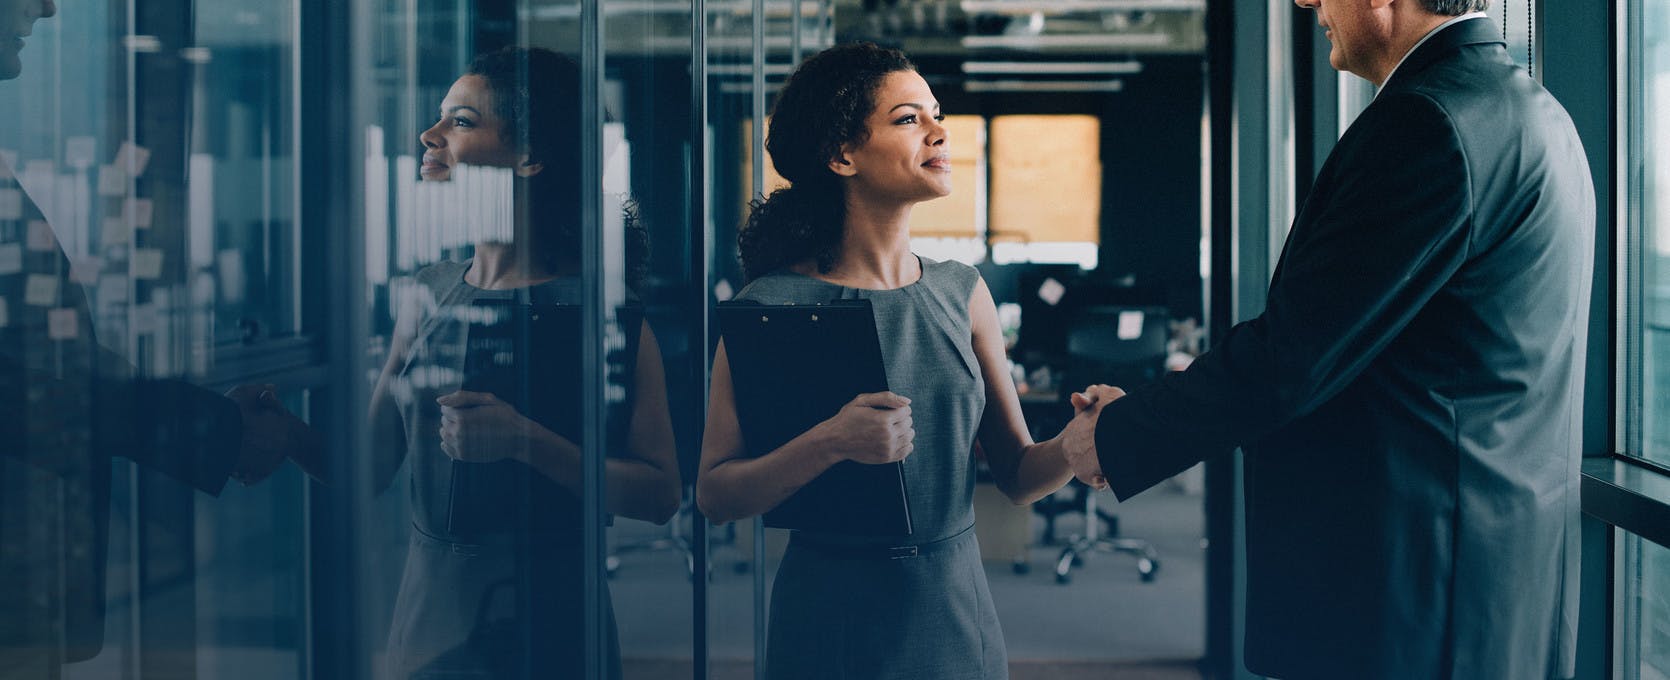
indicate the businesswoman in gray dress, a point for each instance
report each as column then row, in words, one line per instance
column 859, row 135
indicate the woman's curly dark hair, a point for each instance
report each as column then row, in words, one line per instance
column 823, row 106
column 536, row 95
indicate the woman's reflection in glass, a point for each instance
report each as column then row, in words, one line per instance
column 493, row 431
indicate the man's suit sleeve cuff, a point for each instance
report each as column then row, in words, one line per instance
column 1136, row 452
column 220, row 442
column 173, row 427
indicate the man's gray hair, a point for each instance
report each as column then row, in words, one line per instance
column 1455, row 8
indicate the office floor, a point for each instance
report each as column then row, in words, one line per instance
column 1105, row 623
column 1084, row 670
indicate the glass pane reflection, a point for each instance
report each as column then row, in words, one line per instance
column 1645, row 636
column 482, row 394
column 735, row 594
column 1649, row 86
column 647, row 149
column 146, row 225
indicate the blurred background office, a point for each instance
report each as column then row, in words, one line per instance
column 237, row 187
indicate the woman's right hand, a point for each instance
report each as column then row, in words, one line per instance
column 872, row 429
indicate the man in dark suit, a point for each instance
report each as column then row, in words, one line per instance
column 72, row 407
column 1410, row 400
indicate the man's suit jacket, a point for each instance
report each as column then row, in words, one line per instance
column 1410, row 400
column 71, row 408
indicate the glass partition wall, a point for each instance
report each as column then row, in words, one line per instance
column 148, row 262
column 455, row 256
column 531, row 275
column 750, row 49
column 543, row 183
column 732, row 66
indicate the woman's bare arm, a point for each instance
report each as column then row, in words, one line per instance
column 1024, row 471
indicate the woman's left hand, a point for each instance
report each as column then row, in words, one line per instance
column 477, row 427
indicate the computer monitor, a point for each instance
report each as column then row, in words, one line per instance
column 1048, row 310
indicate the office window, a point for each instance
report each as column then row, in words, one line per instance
column 1516, row 17
column 1643, row 601
column 1647, row 181
column 1053, row 156
column 1644, row 636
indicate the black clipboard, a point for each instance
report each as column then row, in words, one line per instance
column 529, row 355
column 794, row 366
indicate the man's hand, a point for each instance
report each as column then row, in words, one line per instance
column 1078, row 439
column 270, row 433
column 477, row 427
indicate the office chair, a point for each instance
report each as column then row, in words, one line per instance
column 1123, row 346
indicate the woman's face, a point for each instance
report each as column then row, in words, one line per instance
column 907, row 155
column 468, row 132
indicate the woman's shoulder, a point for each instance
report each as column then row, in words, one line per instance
column 441, row 276
column 416, row 298
column 949, row 277
column 784, row 286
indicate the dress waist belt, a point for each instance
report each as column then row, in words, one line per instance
column 875, row 552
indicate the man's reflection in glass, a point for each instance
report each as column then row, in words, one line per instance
column 17, row 21
column 481, row 391
column 73, row 406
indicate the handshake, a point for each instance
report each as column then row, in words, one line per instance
column 1078, row 439
column 270, row 435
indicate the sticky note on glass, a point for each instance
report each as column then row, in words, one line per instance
column 1051, row 291
column 78, row 152
column 40, row 290
column 115, row 232
column 62, row 324
column 41, row 239
column 86, row 270
column 11, row 258
column 147, row 263
column 1130, row 325
column 11, row 204
column 139, row 212
column 113, row 180
column 132, row 158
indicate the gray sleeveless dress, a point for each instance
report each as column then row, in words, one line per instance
column 853, row 607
